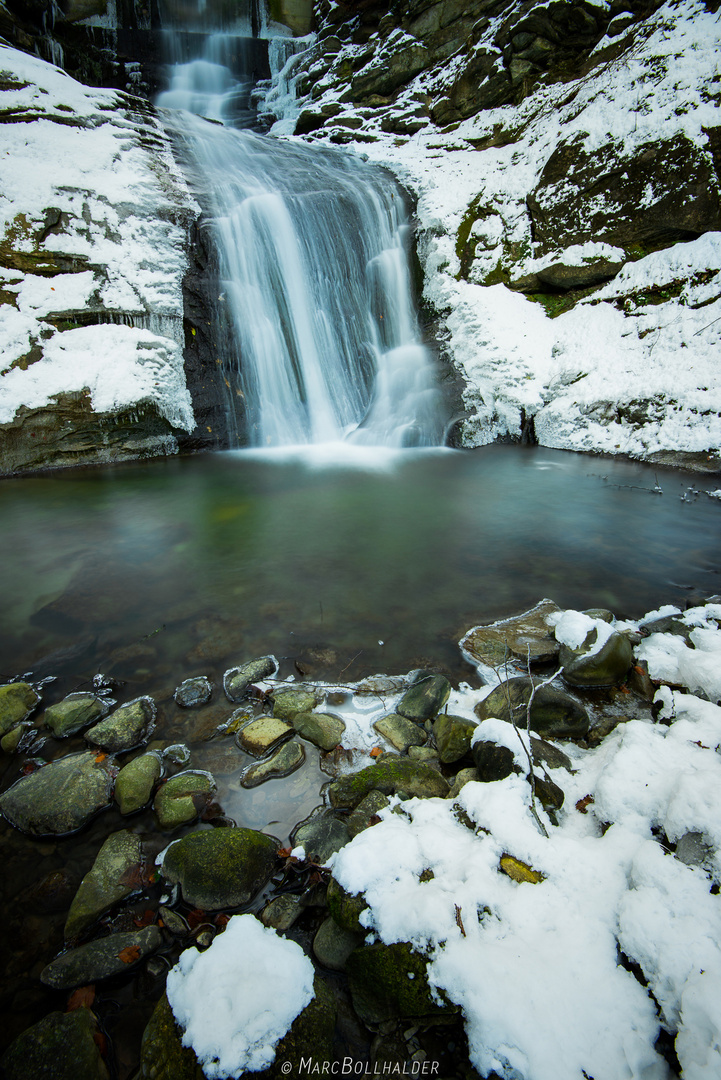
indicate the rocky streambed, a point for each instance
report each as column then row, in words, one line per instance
column 137, row 828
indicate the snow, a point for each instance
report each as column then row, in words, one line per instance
column 573, row 627
column 537, row 971
column 249, row 1015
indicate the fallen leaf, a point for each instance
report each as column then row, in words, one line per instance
column 195, row 918
column 376, row 751
column 583, row 804
column 284, row 852
column 100, row 757
column 221, row 921
column 145, row 919
column 81, row 998
column 130, row 954
column 101, row 1042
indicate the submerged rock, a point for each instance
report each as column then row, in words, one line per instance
column 64, row 1046
column 74, row 712
column 237, row 680
column 400, row 733
column 135, row 782
column 129, row 726
column 180, row 799
column 284, row 761
column 101, row 959
column 390, row 775
column 219, row 868
column 193, row 692
column 425, row 697
column 323, row 730
column 62, row 796
column 113, row 877
column 17, row 701
column 554, row 713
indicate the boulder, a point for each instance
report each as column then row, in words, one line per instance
column 101, row 959
column 390, row 982
column 554, row 713
column 609, row 666
column 321, row 729
column 285, row 760
column 453, row 737
column 62, row 796
column 493, row 762
column 61, row 1046
column 17, row 701
column 332, row 945
column 282, row 912
column 114, row 875
column 237, row 680
column 528, row 634
column 391, row 775
column 366, row 812
column 74, row 712
column 346, row 908
column 162, row 1054
column 180, row 799
column 425, row 698
column 320, row 836
column 129, row 726
column 220, row 868
column 135, row 782
column 400, row 733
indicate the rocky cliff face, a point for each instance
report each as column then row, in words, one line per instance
column 566, row 159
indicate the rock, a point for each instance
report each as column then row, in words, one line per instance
column 74, row 712
column 549, row 755
column 520, row 871
column 114, row 875
column 287, row 704
column 332, row 945
column 101, row 959
column 389, row 982
column 453, row 737
column 425, row 698
column 261, row 735
column 62, row 796
column 390, row 776
column 162, row 1054
column 607, row 667
column 61, row 1046
column 669, row 624
column 382, row 684
column 285, row 760
column 177, row 754
column 237, row 680
column 310, row 1037
column 366, row 812
column 53, row 893
column 10, row 742
column 554, row 713
column 493, row 762
column 549, row 795
column 282, row 912
column 463, row 777
column 693, row 849
column 220, row 868
column 401, row 733
column 135, row 783
column 180, row 799
column 320, row 836
column 513, row 638
column 346, row 908
column 17, row 701
column 193, row 692
column 321, row 729
column 129, row 726
column 428, row 754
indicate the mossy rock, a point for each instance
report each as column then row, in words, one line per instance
column 310, row 1035
column 425, row 698
column 180, row 799
column 237, row 680
column 62, row 796
column 61, row 1046
column 220, row 868
column 389, row 982
column 108, row 881
column 74, row 712
column 346, row 908
column 607, row 667
column 390, row 775
column 17, row 701
column 129, row 726
column 136, row 781
column 453, row 737
column 287, row 704
column 162, row 1054
column 554, row 713
column 322, row 729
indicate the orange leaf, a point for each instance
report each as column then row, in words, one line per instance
column 583, row 804
column 101, row 1042
column 195, row 918
column 221, row 921
column 284, row 852
column 130, row 954
column 100, row 757
column 145, row 919
column 83, row 997
column 376, row 751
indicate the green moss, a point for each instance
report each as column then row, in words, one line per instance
column 345, row 907
column 390, row 776
column 390, row 981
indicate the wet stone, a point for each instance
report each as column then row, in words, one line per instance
column 282, row 762
column 61, row 1046
column 389, row 775
column 129, row 726
column 237, row 680
column 323, row 730
column 74, row 712
column 607, row 667
column 366, row 812
column 400, row 733
column 380, row 986
column 101, row 959
column 135, row 783
column 518, row 638
column 180, row 799
column 554, row 713
column 287, row 704
column 332, row 945
column 162, row 1054
column 425, row 698
column 261, row 735
column 220, row 868
column 493, row 761
column 62, row 796
column 113, row 877
column 463, row 777
column 282, row 912
column 11, row 740
column 320, row 836
column 453, row 737
column 193, row 692
column 549, row 755
column 17, row 701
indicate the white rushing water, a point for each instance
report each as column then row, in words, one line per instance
column 321, row 341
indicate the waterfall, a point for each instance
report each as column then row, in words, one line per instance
column 317, row 331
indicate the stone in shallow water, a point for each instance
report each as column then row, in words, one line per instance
column 515, row 638
column 62, row 796
column 284, row 761
column 400, row 733
column 554, row 713
column 101, row 959
column 320, row 836
column 136, row 781
column 322, row 729
column 287, row 704
column 219, row 868
column 74, row 712
column 17, row 701
column 261, row 735
column 425, row 698
column 282, row 912
column 237, row 680
column 178, row 800
column 61, row 1046
column 129, row 726
column 193, row 692
column 112, row 877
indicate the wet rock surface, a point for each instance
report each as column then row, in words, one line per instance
column 17, row 701
column 390, row 775
column 236, row 681
column 101, row 959
column 64, row 1046
column 220, row 868
column 285, row 760
column 127, row 727
column 180, row 799
column 62, row 796
column 76, row 711
column 136, row 781
column 114, row 875
column 554, row 713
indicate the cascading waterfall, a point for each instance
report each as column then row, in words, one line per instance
column 321, row 340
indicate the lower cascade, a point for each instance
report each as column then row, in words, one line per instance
column 317, row 326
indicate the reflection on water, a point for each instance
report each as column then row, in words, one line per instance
column 167, row 567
